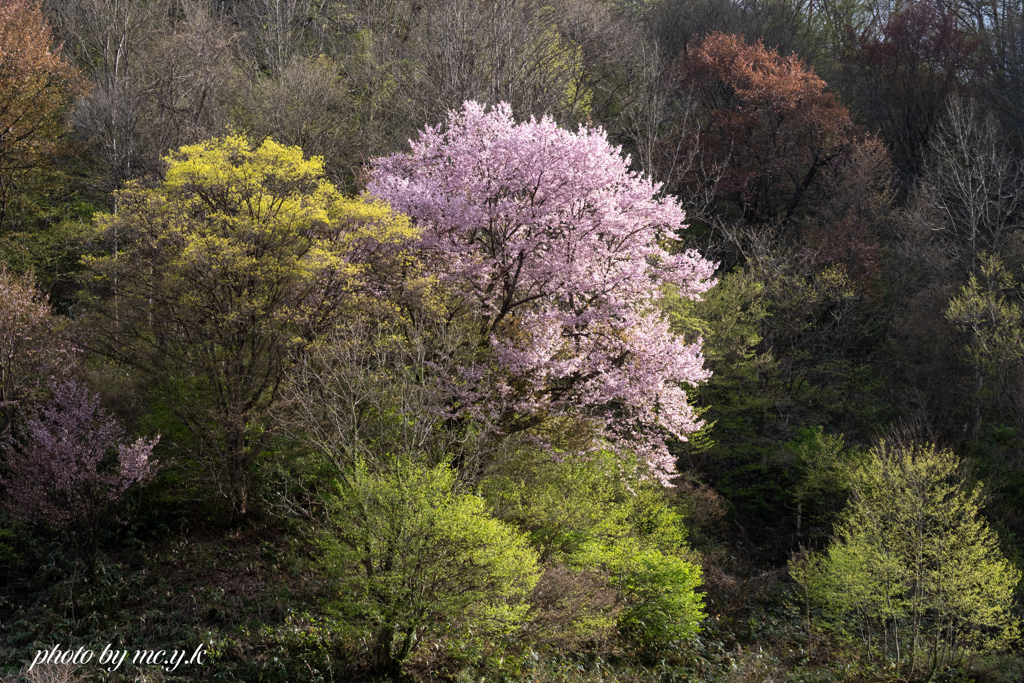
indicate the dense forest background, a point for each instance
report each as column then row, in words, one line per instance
column 855, row 169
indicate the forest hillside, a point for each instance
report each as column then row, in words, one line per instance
column 511, row 340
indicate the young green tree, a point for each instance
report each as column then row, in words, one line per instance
column 414, row 558
column 825, row 463
column 614, row 548
column 987, row 313
column 915, row 563
column 241, row 257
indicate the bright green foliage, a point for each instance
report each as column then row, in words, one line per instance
column 597, row 516
column 566, row 506
column 561, row 506
column 566, row 56
column 987, row 311
column 219, row 276
column 661, row 605
column 914, row 563
column 416, row 560
column 826, row 465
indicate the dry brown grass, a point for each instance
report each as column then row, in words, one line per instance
column 46, row 673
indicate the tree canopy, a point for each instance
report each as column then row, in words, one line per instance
column 562, row 252
column 766, row 129
column 36, row 85
column 241, row 257
column 915, row 561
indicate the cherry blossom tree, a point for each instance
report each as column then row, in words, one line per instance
column 71, row 463
column 562, row 253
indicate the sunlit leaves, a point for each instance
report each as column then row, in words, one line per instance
column 218, row 277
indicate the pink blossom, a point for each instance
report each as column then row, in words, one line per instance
column 560, row 247
column 57, row 468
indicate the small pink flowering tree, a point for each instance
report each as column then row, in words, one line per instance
column 71, row 464
column 560, row 251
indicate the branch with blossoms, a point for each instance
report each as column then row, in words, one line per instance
column 71, row 463
column 557, row 246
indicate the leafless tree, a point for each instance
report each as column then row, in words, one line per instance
column 972, row 184
column 375, row 391
column 189, row 82
column 106, row 38
column 163, row 72
column 307, row 105
column 280, row 32
column 505, row 50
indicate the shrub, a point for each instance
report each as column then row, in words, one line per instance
column 914, row 564
column 416, row 559
column 62, row 469
column 603, row 528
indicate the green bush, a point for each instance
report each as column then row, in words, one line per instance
column 595, row 518
column 662, row 605
column 914, row 565
column 414, row 559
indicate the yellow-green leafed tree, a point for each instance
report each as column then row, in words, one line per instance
column 914, row 564
column 987, row 313
column 216, row 278
column 417, row 562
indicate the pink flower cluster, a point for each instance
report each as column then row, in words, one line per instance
column 558, row 246
column 59, row 469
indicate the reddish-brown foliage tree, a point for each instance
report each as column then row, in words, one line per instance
column 32, row 347
column 766, row 129
column 36, row 84
column 901, row 71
